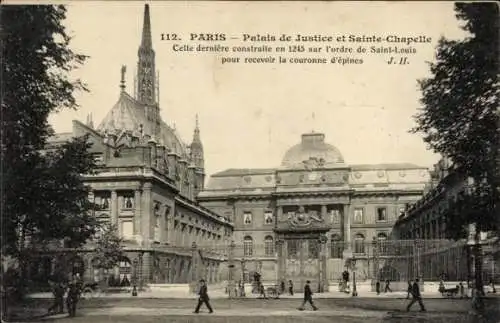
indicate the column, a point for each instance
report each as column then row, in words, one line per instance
column 147, row 212
column 323, row 212
column 279, row 215
column 347, row 227
column 137, row 212
column 114, row 208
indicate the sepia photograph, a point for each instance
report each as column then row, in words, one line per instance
column 250, row 161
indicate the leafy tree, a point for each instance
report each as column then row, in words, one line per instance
column 109, row 250
column 42, row 195
column 459, row 118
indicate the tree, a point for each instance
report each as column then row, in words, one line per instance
column 43, row 196
column 109, row 250
column 459, row 118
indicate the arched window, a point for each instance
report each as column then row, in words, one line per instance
column 247, row 246
column 336, row 246
column 359, row 243
column 269, row 246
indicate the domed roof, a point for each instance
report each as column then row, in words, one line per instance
column 312, row 148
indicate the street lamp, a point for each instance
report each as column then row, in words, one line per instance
column 134, row 278
column 353, row 264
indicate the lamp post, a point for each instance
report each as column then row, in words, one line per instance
column 134, row 278
column 353, row 264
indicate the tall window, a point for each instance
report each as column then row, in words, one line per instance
column 336, row 246
column 104, row 203
column 247, row 246
column 157, row 228
column 292, row 248
column 335, row 216
column 247, row 218
column 382, row 240
column 269, row 246
column 359, row 243
column 358, row 215
column 313, row 248
column 381, row 214
column 268, row 217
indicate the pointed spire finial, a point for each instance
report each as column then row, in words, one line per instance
column 146, row 29
column 197, row 125
column 122, row 82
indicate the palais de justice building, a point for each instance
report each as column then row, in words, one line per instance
column 298, row 221
column 302, row 220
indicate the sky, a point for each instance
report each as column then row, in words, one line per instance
column 250, row 114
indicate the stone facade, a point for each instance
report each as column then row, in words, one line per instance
column 425, row 222
column 146, row 185
column 313, row 195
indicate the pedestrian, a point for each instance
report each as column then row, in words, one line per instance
column 58, row 291
column 345, row 279
column 282, row 287
column 290, row 287
column 417, row 297
column 262, row 290
column 462, row 290
column 387, row 286
column 409, row 290
column 377, row 287
column 308, row 297
column 203, row 293
column 72, row 298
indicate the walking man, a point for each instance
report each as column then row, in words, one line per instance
column 308, row 297
column 415, row 291
column 290, row 287
column 72, row 298
column 58, row 291
column 203, row 293
column 387, row 286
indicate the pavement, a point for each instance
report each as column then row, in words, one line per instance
column 250, row 310
column 219, row 294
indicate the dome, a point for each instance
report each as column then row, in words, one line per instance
column 312, row 148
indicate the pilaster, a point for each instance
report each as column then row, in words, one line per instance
column 114, row 208
column 347, row 227
column 147, row 211
column 137, row 212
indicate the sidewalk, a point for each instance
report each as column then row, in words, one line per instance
column 218, row 294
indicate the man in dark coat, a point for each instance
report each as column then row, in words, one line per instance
column 72, row 298
column 308, row 297
column 416, row 297
column 203, row 293
column 58, row 291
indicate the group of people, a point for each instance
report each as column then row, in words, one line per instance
column 205, row 299
column 71, row 289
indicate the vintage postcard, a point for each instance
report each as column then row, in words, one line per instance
column 278, row 161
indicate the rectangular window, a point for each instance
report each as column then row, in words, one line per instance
column 381, row 214
column 292, row 248
column 313, row 246
column 358, row 215
column 127, row 202
column 268, row 217
column 335, row 216
column 247, row 218
column 127, row 229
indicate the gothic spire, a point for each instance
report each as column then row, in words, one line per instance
column 196, row 136
column 146, row 30
column 146, row 86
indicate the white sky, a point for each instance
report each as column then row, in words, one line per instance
column 251, row 114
